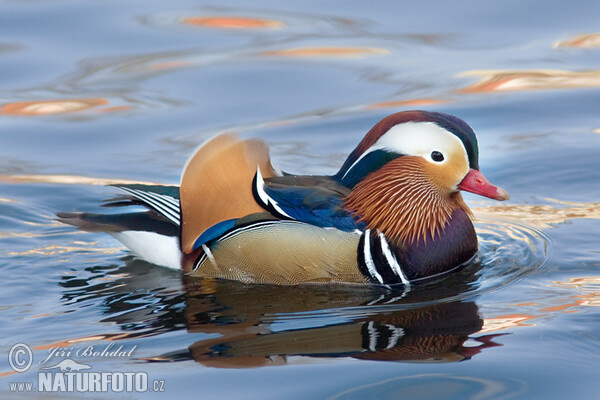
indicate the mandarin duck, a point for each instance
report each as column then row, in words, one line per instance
column 393, row 213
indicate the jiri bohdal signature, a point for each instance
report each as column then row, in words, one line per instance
column 89, row 351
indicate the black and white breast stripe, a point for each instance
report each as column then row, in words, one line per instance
column 377, row 262
column 166, row 206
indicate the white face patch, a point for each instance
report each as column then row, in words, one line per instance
column 420, row 139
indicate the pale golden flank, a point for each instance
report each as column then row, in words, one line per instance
column 294, row 253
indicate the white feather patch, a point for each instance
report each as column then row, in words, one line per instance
column 149, row 246
column 264, row 197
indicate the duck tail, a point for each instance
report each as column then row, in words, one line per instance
column 149, row 235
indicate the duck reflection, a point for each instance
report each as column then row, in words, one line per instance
column 245, row 325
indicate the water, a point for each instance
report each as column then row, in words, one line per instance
column 97, row 92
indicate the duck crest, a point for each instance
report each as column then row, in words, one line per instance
column 402, row 203
column 385, row 125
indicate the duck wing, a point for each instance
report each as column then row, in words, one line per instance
column 316, row 200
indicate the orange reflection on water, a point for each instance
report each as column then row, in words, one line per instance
column 42, row 315
column 581, row 283
column 231, row 22
column 587, row 300
column 541, row 215
column 49, row 107
column 29, row 235
column 335, row 52
column 589, row 285
column 407, row 103
column 57, row 249
column 114, row 109
column 168, row 65
column 107, row 337
column 587, row 40
column 505, row 322
column 71, row 342
column 506, row 81
column 70, row 180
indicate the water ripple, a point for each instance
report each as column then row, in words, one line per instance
column 509, row 251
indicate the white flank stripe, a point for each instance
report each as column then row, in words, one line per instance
column 391, row 259
column 369, row 258
column 209, row 254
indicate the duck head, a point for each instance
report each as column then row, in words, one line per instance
column 405, row 176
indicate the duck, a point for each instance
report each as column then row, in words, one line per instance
column 392, row 215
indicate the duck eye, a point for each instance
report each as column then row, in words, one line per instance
column 437, row 156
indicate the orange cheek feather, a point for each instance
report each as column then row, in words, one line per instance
column 447, row 176
column 406, row 199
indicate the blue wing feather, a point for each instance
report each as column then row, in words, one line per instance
column 214, row 232
column 317, row 200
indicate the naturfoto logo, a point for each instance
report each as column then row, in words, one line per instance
column 69, row 375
